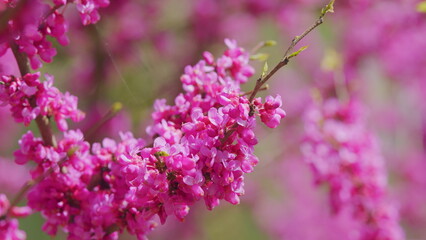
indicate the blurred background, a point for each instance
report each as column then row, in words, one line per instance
column 138, row 50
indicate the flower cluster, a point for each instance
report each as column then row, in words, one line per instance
column 34, row 21
column 271, row 112
column 202, row 147
column 212, row 126
column 58, row 196
column 9, row 226
column 31, row 25
column 28, row 98
column 343, row 154
column 88, row 9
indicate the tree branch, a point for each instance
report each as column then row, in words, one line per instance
column 43, row 122
column 288, row 55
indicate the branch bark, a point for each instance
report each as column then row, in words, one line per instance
column 43, row 123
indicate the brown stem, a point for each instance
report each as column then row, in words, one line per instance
column 43, row 122
column 284, row 61
column 21, row 59
column 229, row 133
column 341, row 89
column 257, row 47
column 266, row 87
column 287, row 55
column 261, row 45
column 51, row 11
column 9, row 13
column 43, row 125
column 111, row 229
column 115, row 109
column 99, row 58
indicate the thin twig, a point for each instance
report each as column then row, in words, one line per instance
column 21, row 59
column 257, row 47
column 115, row 109
column 43, row 122
column 116, row 68
column 266, row 87
column 9, row 13
column 340, row 86
column 284, row 61
column 287, row 55
column 50, row 12
column 262, row 44
column 228, row 133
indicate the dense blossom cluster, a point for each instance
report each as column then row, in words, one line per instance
column 343, row 154
column 35, row 20
column 28, row 98
column 213, row 127
column 202, row 147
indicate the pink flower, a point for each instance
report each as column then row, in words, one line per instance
column 89, row 10
column 9, row 226
column 202, row 147
column 22, row 93
column 272, row 113
column 346, row 156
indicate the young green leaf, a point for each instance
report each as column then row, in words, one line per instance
column 261, row 57
column 270, row 43
column 328, row 8
column 161, row 154
column 265, row 69
column 116, row 107
column 297, row 52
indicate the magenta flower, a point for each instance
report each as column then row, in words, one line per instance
column 9, row 226
column 29, row 98
column 346, row 156
column 202, row 147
